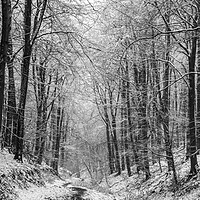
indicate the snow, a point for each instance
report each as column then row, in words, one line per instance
column 40, row 193
column 159, row 186
column 57, row 191
column 22, row 181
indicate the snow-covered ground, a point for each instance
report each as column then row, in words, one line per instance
column 159, row 186
column 40, row 193
column 22, row 181
column 58, row 191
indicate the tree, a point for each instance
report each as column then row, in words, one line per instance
column 166, row 98
column 27, row 50
column 198, row 79
column 102, row 96
column 11, row 124
column 57, row 137
column 125, row 113
column 191, row 107
column 6, row 27
column 42, row 95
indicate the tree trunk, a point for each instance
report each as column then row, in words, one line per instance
column 191, row 109
column 110, row 158
column 136, row 137
column 127, row 114
column 43, row 136
column 198, row 83
column 115, row 144
column 166, row 104
column 114, row 134
column 58, row 134
column 105, row 117
column 11, row 124
column 24, row 79
column 176, row 111
column 53, row 136
column 143, row 121
column 157, row 100
column 123, row 120
column 6, row 27
column 122, row 135
column 141, row 86
column 39, row 77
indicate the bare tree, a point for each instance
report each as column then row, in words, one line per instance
column 6, row 27
column 29, row 41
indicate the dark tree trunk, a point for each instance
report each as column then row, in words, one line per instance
column 37, row 88
column 39, row 77
column 53, row 135
column 191, row 109
column 115, row 144
column 11, row 124
column 114, row 133
column 123, row 120
column 177, row 111
column 29, row 42
column 58, row 136
column 143, row 121
column 6, row 27
column 198, row 82
column 43, row 132
column 57, row 127
column 122, row 136
column 127, row 114
column 24, row 79
column 62, row 156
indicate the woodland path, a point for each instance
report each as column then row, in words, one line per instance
column 61, row 190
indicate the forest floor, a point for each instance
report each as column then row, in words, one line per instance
column 160, row 185
column 22, row 181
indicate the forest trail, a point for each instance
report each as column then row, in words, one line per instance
column 23, row 181
column 59, row 192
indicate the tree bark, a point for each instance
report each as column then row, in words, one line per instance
column 24, row 78
column 102, row 95
column 143, row 121
column 198, row 81
column 122, row 135
column 29, row 41
column 166, row 103
column 53, row 136
column 58, row 136
column 127, row 114
column 110, row 158
column 6, row 27
column 39, row 77
column 191, row 109
column 114, row 133
column 11, row 124
column 141, row 87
